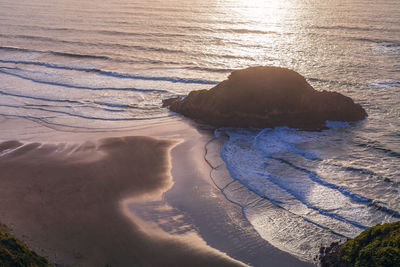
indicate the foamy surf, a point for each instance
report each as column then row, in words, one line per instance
column 111, row 70
column 294, row 190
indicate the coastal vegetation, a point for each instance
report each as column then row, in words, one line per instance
column 376, row 246
column 14, row 253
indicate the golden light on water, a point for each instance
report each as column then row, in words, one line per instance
column 253, row 32
column 98, row 69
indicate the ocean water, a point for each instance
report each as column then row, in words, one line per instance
column 95, row 65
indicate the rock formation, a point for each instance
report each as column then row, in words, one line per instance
column 264, row 97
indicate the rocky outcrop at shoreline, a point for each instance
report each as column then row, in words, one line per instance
column 264, row 97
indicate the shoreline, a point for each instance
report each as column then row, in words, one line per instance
column 218, row 220
column 198, row 225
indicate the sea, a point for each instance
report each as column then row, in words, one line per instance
column 76, row 65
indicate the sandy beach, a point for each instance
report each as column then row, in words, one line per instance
column 92, row 199
column 105, row 160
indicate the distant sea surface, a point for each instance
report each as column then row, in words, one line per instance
column 96, row 65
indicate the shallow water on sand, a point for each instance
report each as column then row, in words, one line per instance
column 89, row 66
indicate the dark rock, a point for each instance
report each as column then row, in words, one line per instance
column 170, row 101
column 330, row 256
column 264, row 97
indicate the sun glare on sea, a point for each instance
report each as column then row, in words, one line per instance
column 255, row 23
column 261, row 10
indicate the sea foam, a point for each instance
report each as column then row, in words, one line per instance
column 292, row 189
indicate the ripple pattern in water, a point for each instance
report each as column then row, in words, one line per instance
column 83, row 65
column 303, row 189
column 108, row 64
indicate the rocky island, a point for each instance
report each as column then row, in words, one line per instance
column 264, row 97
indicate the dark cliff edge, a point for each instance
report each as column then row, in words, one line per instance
column 264, row 97
column 376, row 246
column 14, row 253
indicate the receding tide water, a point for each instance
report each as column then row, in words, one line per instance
column 92, row 65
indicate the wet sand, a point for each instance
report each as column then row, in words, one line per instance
column 109, row 198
